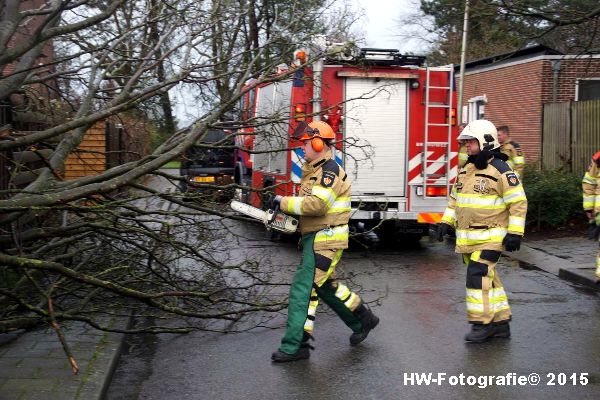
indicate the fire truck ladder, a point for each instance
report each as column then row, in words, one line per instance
column 433, row 169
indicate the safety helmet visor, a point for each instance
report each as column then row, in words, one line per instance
column 304, row 132
column 464, row 136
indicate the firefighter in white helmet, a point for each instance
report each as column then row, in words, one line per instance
column 324, row 209
column 590, row 185
column 487, row 208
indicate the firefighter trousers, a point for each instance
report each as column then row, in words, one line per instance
column 315, row 279
column 598, row 263
column 486, row 299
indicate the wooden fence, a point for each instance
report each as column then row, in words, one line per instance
column 90, row 156
column 571, row 135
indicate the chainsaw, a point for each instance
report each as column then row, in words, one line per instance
column 273, row 219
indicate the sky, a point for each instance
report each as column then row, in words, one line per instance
column 380, row 25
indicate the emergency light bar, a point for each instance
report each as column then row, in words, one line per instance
column 389, row 57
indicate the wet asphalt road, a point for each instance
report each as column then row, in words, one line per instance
column 419, row 295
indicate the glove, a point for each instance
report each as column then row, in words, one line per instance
column 511, row 242
column 442, row 230
column 593, row 231
column 272, row 200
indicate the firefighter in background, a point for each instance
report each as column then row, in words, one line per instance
column 516, row 160
column 591, row 202
column 324, row 209
column 487, row 208
column 462, row 149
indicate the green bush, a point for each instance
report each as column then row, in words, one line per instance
column 554, row 197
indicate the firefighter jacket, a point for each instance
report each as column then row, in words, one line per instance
column 591, row 185
column 485, row 205
column 462, row 155
column 323, row 203
column 516, row 160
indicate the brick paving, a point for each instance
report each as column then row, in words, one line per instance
column 34, row 366
column 572, row 258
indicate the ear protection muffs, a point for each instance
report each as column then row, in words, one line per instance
column 317, row 144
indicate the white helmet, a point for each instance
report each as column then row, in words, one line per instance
column 482, row 130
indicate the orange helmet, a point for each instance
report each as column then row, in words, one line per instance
column 316, row 132
column 316, row 129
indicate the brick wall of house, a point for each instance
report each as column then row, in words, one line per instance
column 25, row 31
column 514, row 95
column 570, row 71
column 34, row 97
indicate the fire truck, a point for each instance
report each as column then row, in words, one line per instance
column 395, row 124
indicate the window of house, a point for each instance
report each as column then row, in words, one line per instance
column 477, row 108
column 588, row 89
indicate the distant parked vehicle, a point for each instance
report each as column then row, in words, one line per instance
column 203, row 164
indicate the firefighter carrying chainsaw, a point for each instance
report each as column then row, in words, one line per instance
column 487, row 207
column 591, row 203
column 323, row 205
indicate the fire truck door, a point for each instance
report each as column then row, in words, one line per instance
column 376, row 114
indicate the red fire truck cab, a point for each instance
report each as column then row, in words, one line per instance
column 396, row 135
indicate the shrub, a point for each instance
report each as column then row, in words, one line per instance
column 554, row 197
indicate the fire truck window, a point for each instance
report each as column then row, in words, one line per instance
column 251, row 103
column 272, row 110
column 243, row 115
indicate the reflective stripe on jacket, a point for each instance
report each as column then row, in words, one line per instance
column 485, row 205
column 323, row 203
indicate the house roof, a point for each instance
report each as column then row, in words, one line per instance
column 524, row 53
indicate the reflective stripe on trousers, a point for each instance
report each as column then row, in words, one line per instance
column 486, row 299
column 314, row 280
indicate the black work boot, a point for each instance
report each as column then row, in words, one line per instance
column 305, row 338
column 480, row 333
column 280, row 357
column 302, row 353
column 368, row 321
column 501, row 329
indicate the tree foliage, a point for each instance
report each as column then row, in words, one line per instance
column 122, row 241
column 497, row 26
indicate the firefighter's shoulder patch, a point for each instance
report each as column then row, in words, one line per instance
column 328, row 179
column 331, row 170
column 512, row 179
